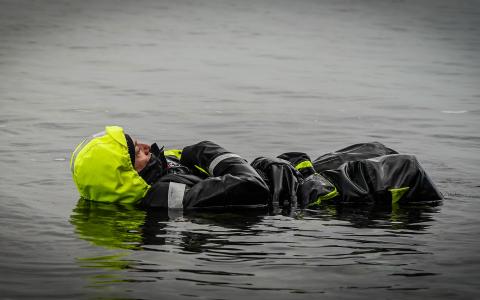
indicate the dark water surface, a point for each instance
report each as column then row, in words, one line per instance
column 260, row 78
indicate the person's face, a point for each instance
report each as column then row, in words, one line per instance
column 142, row 155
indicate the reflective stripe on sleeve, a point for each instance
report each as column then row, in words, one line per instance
column 218, row 159
column 175, row 195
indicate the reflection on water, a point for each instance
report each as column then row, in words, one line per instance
column 219, row 237
column 127, row 227
column 412, row 217
column 245, row 250
column 107, row 225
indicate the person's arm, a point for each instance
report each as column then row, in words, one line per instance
column 169, row 191
column 231, row 181
column 282, row 179
column 313, row 187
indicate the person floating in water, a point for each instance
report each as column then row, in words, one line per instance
column 111, row 166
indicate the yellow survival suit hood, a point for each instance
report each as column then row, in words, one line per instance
column 102, row 169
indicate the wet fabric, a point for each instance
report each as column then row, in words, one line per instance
column 281, row 177
column 103, row 171
column 361, row 173
column 354, row 152
column 395, row 178
column 206, row 176
column 313, row 187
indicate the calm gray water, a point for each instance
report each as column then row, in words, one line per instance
column 259, row 77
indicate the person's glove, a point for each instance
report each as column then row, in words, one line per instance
column 281, row 177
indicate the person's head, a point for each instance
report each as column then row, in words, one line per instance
column 106, row 166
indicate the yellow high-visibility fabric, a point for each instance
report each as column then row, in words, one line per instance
column 328, row 196
column 173, row 152
column 397, row 193
column 304, row 164
column 102, row 169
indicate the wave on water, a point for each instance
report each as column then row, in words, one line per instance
column 454, row 111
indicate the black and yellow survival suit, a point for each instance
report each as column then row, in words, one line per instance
column 206, row 175
column 203, row 175
column 361, row 173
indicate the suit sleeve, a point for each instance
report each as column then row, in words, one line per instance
column 230, row 181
